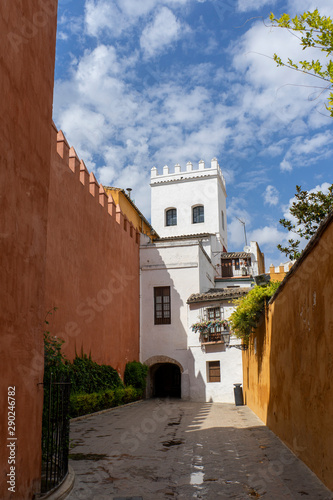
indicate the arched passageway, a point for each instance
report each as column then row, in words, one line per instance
column 166, row 381
column 164, row 377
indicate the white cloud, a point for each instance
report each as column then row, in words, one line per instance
column 280, row 96
column 61, row 35
column 306, row 151
column 248, row 5
column 113, row 18
column 271, row 195
column 268, row 236
column 236, row 209
column 299, row 6
column 132, row 176
column 135, row 8
column 163, row 31
column 285, row 166
column 102, row 15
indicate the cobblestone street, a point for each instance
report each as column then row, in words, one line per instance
column 159, row 449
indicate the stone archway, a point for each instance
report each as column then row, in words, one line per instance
column 164, row 377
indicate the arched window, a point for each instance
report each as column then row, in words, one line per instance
column 198, row 214
column 171, row 217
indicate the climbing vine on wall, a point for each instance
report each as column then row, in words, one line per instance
column 250, row 308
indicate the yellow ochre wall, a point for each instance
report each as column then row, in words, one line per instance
column 132, row 213
column 288, row 369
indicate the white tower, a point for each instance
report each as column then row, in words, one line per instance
column 191, row 202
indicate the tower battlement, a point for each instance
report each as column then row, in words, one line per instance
column 177, row 174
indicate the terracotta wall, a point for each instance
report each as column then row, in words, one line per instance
column 92, row 265
column 288, row 370
column 27, row 54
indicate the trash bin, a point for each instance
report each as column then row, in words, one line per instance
column 238, row 392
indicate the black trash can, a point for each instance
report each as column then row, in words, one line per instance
column 238, row 392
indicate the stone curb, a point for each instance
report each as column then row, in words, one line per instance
column 83, row 417
column 64, row 489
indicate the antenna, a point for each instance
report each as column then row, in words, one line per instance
column 243, row 222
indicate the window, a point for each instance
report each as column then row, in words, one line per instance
column 222, row 220
column 214, row 374
column 198, row 214
column 214, row 331
column 171, row 217
column 236, row 264
column 162, row 309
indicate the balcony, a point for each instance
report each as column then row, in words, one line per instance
column 220, row 337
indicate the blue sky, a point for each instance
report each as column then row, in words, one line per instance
column 159, row 82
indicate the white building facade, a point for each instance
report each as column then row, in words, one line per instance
column 178, row 288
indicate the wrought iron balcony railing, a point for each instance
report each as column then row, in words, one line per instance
column 222, row 336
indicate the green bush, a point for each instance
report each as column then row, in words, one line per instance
column 131, row 394
column 82, row 404
column 94, row 387
column 136, row 375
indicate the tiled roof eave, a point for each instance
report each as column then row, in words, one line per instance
column 217, row 295
column 235, row 255
column 186, row 236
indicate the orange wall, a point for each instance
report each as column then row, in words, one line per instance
column 288, row 370
column 92, row 266
column 27, row 53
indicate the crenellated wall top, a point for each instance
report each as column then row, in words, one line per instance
column 178, row 174
column 70, row 158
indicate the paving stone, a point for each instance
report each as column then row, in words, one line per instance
column 210, row 451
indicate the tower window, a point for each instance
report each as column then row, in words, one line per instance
column 198, row 214
column 171, row 217
column 222, row 220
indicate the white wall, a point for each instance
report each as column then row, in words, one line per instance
column 183, row 266
column 199, row 356
column 174, row 264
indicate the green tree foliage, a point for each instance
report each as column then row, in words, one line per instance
column 315, row 31
column 250, row 308
column 87, row 376
column 54, row 360
column 308, row 210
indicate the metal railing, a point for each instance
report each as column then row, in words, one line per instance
column 219, row 336
column 55, row 433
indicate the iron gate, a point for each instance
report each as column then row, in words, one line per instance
column 55, row 432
